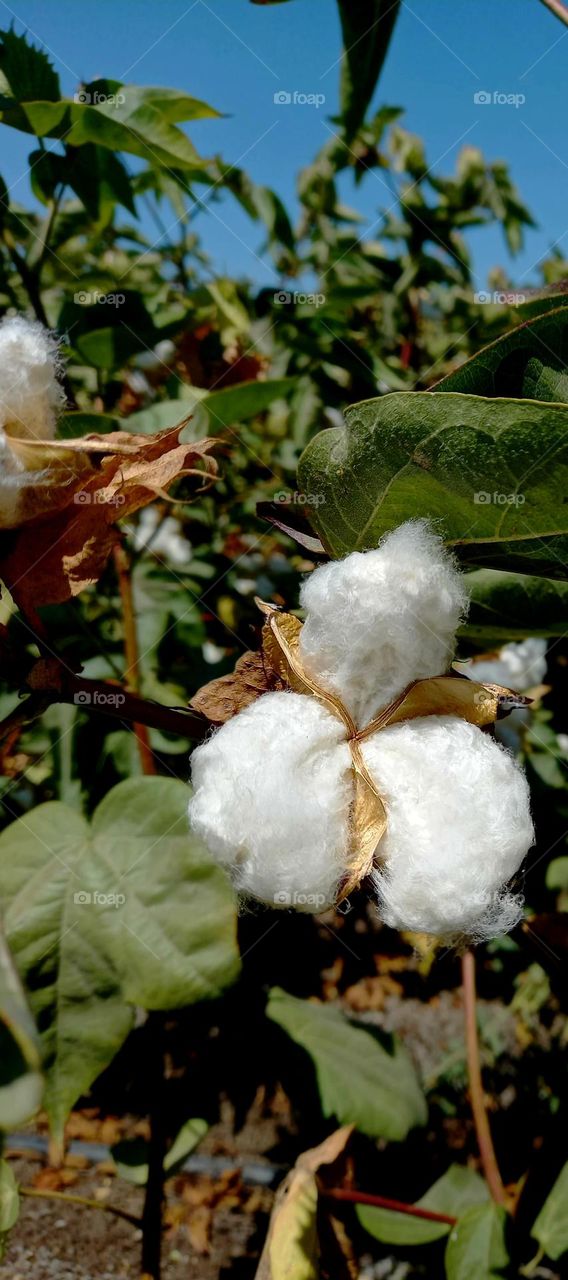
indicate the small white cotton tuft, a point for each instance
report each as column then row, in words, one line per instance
column 519, row 666
column 458, row 828
column 272, row 790
column 377, row 620
column 30, row 400
column 30, row 395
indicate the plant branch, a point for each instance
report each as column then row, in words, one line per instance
column 483, row 1131
column 558, row 9
column 132, row 674
column 82, row 1200
column 383, row 1202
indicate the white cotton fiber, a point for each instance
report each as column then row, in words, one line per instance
column 272, row 790
column 30, row 395
column 274, row 786
column 30, row 398
column 458, row 828
column 377, row 620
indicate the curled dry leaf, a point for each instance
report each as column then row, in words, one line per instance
column 223, row 698
column 293, row 1246
column 65, row 525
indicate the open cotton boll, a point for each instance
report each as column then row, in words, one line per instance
column 30, row 398
column 518, row 665
column 30, row 395
column 378, row 620
column 272, row 792
column 458, row 828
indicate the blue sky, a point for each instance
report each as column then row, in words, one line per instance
column 237, row 55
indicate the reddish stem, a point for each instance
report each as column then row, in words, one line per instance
column 483, row 1131
column 383, row 1202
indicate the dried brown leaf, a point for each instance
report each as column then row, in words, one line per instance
column 67, row 525
column 292, row 1247
column 223, row 698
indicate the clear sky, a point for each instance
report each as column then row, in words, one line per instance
column 237, row 55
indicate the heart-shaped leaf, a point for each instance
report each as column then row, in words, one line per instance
column 476, row 1247
column 530, row 362
column 457, row 1190
column 551, row 1226
column 127, row 910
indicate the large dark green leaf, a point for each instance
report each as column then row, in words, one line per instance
column 105, row 329
column 491, row 474
column 509, row 606
column 476, row 1248
column 367, row 28
column 530, row 363
column 359, row 1081
column 125, row 911
column 453, row 1193
column 25, row 72
column 551, row 1226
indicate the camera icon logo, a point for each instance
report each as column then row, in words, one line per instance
column 482, row 498
column 282, row 298
column 82, row 898
column 282, row 899
column 282, row 98
column 482, row 98
column 82, row 498
column 82, row 698
column 82, row 97
column 482, row 296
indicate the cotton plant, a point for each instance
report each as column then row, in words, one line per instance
column 366, row 761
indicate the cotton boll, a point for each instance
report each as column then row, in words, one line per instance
column 519, row 665
column 30, row 395
column 458, row 828
column 30, row 398
column 377, row 620
column 272, row 792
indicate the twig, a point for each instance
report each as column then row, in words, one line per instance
column 383, row 1202
column 558, row 8
column 82, row 1200
column 131, row 675
column 483, row 1131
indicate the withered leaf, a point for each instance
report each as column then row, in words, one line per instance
column 223, row 698
column 292, row 1247
column 62, row 542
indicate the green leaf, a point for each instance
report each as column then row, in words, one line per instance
column 127, row 911
column 9, row 1202
column 223, row 408
column 453, row 1193
column 557, row 874
column 530, row 363
column 25, row 72
column 551, row 1226
column 510, row 606
column 367, row 30
column 131, row 1156
column 476, row 1247
column 105, row 329
column 491, row 474
column 359, row 1081
column 21, row 1083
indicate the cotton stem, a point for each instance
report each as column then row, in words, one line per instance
column 483, row 1131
